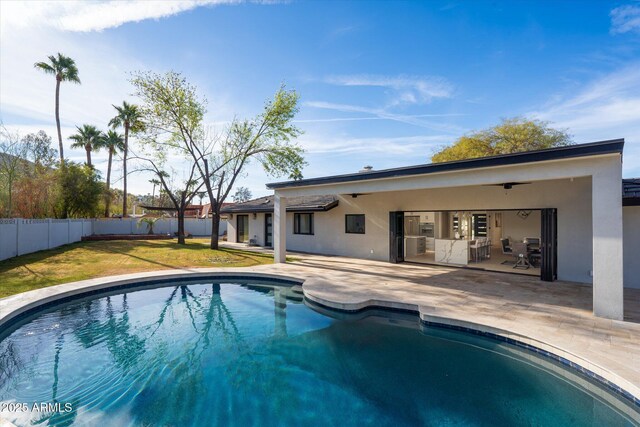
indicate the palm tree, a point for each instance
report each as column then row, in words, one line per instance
column 88, row 137
column 153, row 194
column 65, row 70
column 129, row 117
column 113, row 142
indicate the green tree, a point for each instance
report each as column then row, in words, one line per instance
column 267, row 139
column 79, row 190
column 174, row 113
column 155, row 183
column 35, row 194
column 242, row 194
column 113, row 142
column 173, row 116
column 128, row 117
column 88, row 137
column 65, row 70
column 149, row 222
column 510, row 136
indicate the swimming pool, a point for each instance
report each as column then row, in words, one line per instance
column 228, row 353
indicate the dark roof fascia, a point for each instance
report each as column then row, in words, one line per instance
column 261, row 209
column 558, row 153
column 631, row 201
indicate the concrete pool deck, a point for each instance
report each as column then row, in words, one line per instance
column 552, row 316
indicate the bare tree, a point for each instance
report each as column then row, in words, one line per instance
column 13, row 164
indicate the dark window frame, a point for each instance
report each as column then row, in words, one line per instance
column 346, row 224
column 296, row 223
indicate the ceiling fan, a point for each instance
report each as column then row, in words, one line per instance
column 509, row 185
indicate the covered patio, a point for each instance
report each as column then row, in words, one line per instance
column 576, row 189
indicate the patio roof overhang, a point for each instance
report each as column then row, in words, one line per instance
column 531, row 165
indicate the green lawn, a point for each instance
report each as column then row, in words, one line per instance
column 86, row 260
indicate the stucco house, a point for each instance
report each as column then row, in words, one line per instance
column 561, row 213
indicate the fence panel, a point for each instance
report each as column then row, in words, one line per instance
column 164, row 226
column 222, row 229
column 195, row 226
column 8, row 238
column 75, row 230
column 58, row 233
column 33, row 235
column 112, row 226
column 87, row 227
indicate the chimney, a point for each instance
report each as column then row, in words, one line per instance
column 366, row 168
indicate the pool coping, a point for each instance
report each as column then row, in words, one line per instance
column 14, row 307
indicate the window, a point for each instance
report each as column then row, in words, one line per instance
column 354, row 224
column 303, row 223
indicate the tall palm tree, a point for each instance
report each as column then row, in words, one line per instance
column 153, row 194
column 88, row 137
column 129, row 117
column 113, row 142
column 65, row 70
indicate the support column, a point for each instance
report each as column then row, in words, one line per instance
column 279, row 228
column 607, row 240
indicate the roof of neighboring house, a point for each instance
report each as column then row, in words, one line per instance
column 171, row 209
column 631, row 192
column 297, row 204
column 570, row 151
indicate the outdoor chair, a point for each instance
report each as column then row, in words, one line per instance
column 521, row 256
column 506, row 249
column 532, row 242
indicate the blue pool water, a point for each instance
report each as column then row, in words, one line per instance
column 205, row 354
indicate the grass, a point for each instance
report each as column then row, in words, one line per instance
column 86, row 260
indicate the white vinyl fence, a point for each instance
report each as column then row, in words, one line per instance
column 193, row 226
column 23, row 236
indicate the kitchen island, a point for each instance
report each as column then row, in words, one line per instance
column 452, row 251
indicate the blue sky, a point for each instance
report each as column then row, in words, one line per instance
column 381, row 83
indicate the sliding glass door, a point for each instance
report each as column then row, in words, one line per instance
column 549, row 244
column 396, row 237
column 242, row 228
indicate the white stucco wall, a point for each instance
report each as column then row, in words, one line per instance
column 631, row 224
column 256, row 228
column 517, row 228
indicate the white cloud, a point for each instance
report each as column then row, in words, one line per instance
column 394, row 146
column 357, row 119
column 94, row 16
column 606, row 108
column 419, row 120
column 406, row 89
column 625, row 19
